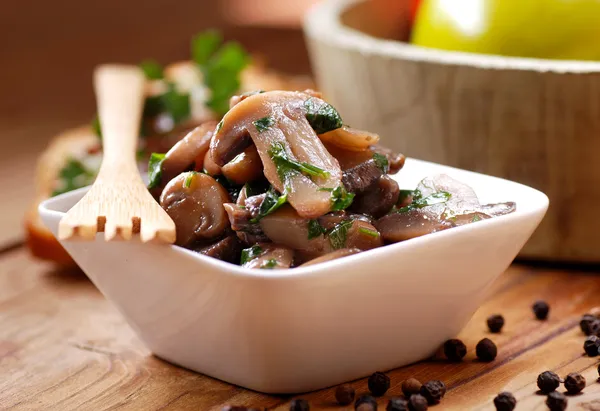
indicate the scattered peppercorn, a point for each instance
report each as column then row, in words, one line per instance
column 495, row 323
column 486, row 350
column 365, row 403
column 344, row 394
column 585, row 323
column 574, row 383
column 411, row 386
column 455, row 350
column 433, row 391
column 505, row 401
column 378, row 384
column 595, row 327
column 299, row 405
column 417, row 402
column 556, row 401
column 397, row 404
column 541, row 309
column 591, row 345
column 548, row 381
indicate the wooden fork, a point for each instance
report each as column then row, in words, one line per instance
column 118, row 202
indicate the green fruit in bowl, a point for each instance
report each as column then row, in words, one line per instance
column 549, row 29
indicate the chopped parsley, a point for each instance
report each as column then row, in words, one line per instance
column 176, row 104
column 74, row 175
column 405, row 194
column 419, row 201
column 155, row 169
column 476, row 218
column 287, row 167
column 315, row 229
column 340, row 198
column 152, row 70
column 369, row 232
column 221, row 66
column 321, row 116
column 96, row 126
column 264, row 123
column 187, row 183
column 339, row 234
column 269, row 264
column 249, row 254
column 219, row 126
column 271, row 203
column 382, row 162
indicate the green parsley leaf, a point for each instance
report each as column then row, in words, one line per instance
column 382, row 162
column 176, row 104
column 271, row 203
column 341, row 199
column 476, row 218
column 155, row 169
column 96, row 126
column 322, row 116
column 338, row 234
column 249, row 254
column 369, row 232
column 72, row 176
column 420, row 202
column 264, row 123
column 187, row 183
column 204, row 45
column 286, row 167
column 269, row 264
column 152, row 70
column 315, row 229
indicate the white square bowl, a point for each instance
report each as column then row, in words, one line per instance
column 291, row 331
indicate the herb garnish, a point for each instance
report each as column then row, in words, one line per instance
column 339, row 233
column 340, row 198
column 152, row 70
column 221, row 65
column 382, row 162
column 155, row 169
column 315, row 229
column 419, row 201
column 369, row 232
column 249, row 254
column 404, row 194
column 269, row 264
column 476, row 218
column 271, row 203
column 232, row 188
column 321, row 116
column 96, row 126
column 74, row 175
column 187, row 183
column 264, row 123
column 286, row 167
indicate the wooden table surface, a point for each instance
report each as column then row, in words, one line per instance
column 64, row 347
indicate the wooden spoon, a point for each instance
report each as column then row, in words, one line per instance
column 118, row 202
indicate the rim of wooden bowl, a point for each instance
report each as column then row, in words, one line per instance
column 323, row 24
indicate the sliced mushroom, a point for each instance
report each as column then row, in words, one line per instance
column 346, row 158
column 210, row 166
column 362, row 178
column 277, row 120
column 228, row 249
column 241, row 222
column 271, row 256
column 396, row 227
column 195, row 203
column 245, row 167
column 350, row 139
column 334, row 255
column 379, row 199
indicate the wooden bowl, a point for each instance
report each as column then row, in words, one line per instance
column 528, row 120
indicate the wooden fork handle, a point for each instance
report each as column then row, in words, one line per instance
column 120, row 98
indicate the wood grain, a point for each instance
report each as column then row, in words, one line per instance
column 65, row 347
column 531, row 121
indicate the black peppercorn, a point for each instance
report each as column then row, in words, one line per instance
column 299, row 405
column 365, row 403
column 505, row 401
column 548, row 381
column 433, row 391
column 574, row 383
column 585, row 323
column 344, row 394
column 595, row 327
column 417, row 402
column 378, row 384
column 455, row 350
column 397, row 404
column 495, row 323
column 486, row 350
column 541, row 309
column 411, row 386
column 591, row 345
column 556, row 401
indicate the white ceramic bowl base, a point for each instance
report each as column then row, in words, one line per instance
column 292, row 331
